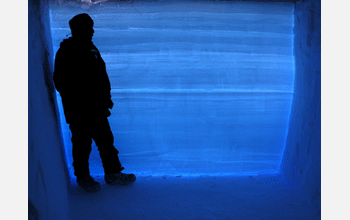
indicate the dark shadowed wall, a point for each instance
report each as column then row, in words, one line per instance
column 302, row 157
column 47, row 176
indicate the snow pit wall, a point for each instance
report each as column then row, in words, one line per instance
column 195, row 84
column 47, row 172
column 302, row 157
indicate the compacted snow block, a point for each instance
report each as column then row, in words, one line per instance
column 302, row 157
column 198, row 87
column 47, row 178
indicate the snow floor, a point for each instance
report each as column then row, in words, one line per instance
column 201, row 197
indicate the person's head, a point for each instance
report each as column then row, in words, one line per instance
column 81, row 26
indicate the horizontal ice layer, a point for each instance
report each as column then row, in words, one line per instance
column 198, row 88
column 198, row 132
column 200, row 70
column 201, row 132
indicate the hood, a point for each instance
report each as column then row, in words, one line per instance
column 68, row 42
column 71, row 42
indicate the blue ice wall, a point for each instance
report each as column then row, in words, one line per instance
column 47, row 173
column 199, row 88
column 302, row 158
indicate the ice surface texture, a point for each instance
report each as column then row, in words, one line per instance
column 198, row 87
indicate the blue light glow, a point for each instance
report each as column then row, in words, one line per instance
column 199, row 88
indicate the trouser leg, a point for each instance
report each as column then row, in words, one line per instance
column 104, row 139
column 81, row 148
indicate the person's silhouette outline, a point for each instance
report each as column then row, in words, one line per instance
column 81, row 79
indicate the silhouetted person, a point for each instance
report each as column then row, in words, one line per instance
column 81, row 79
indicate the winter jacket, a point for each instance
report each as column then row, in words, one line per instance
column 81, row 79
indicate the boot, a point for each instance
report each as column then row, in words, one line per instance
column 120, row 179
column 88, row 184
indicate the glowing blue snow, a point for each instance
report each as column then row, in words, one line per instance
column 201, row 88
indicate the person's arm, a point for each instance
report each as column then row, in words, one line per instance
column 58, row 72
column 64, row 75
